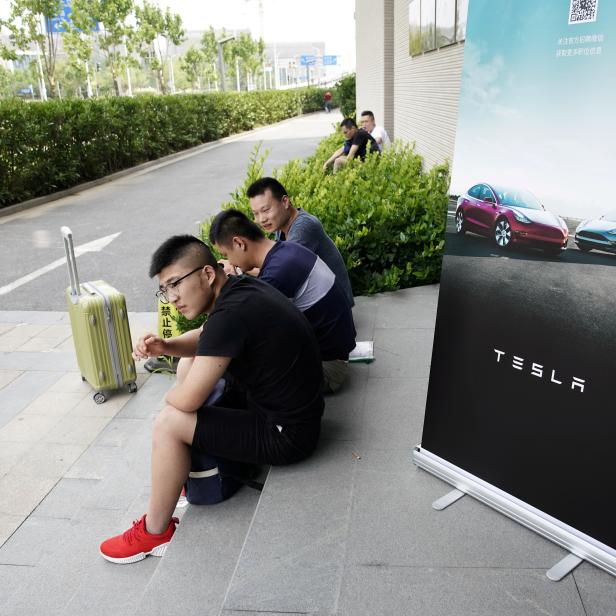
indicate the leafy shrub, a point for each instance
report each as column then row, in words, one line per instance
column 45, row 147
column 344, row 96
column 386, row 215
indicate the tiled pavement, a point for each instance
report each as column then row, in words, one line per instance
column 349, row 532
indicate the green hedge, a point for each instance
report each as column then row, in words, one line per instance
column 386, row 215
column 46, row 147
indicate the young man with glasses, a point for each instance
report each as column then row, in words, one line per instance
column 270, row 412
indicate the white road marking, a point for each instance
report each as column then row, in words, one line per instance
column 94, row 246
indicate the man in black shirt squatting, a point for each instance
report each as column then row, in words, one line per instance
column 256, row 339
column 360, row 140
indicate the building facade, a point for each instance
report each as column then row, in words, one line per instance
column 409, row 69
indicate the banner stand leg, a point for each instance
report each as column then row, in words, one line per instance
column 564, row 567
column 448, row 499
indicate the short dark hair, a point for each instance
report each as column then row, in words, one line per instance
column 260, row 186
column 348, row 123
column 178, row 247
column 367, row 113
column 230, row 223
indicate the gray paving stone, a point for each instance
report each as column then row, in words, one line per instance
column 31, row 542
column 408, row 309
column 111, row 589
column 18, row 394
column 46, row 593
column 118, row 489
column 120, row 431
column 410, row 533
column 148, row 400
column 8, row 525
column 343, row 410
column 72, row 565
column 35, row 317
column 207, row 544
column 11, row 579
column 66, row 499
column 20, row 494
column 293, row 556
column 364, row 316
column 401, row 353
column 401, row 591
column 254, row 613
column 6, row 376
column 393, row 412
column 102, row 462
column 37, row 362
column 597, row 589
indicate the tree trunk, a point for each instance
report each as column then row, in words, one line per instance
column 161, row 80
column 117, row 82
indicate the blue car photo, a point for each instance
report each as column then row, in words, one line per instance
column 597, row 233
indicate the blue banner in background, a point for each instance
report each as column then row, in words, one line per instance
column 59, row 24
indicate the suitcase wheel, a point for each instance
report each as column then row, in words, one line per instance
column 99, row 397
column 83, row 378
column 132, row 388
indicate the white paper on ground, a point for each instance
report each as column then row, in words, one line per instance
column 363, row 352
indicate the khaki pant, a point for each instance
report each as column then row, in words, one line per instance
column 334, row 374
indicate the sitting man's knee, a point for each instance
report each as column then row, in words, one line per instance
column 339, row 163
column 173, row 423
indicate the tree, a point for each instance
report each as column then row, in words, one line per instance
column 7, row 86
column 113, row 38
column 193, row 64
column 209, row 49
column 78, row 46
column 250, row 54
column 29, row 25
column 152, row 26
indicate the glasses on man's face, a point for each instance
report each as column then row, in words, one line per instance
column 162, row 293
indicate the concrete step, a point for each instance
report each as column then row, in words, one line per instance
column 194, row 574
column 55, row 551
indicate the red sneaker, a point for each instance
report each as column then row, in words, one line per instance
column 137, row 543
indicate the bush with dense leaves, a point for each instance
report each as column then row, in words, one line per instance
column 344, row 96
column 386, row 215
column 46, row 147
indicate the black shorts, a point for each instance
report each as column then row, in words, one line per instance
column 244, row 435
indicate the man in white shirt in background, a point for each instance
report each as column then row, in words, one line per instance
column 378, row 132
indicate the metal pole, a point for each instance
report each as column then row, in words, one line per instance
column 171, row 76
column 276, row 69
column 42, row 87
column 237, row 74
column 221, row 68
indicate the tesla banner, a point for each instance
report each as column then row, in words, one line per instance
column 522, row 387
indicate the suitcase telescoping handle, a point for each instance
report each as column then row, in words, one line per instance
column 67, row 234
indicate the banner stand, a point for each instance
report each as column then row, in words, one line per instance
column 581, row 546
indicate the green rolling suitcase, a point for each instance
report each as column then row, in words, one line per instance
column 101, row 333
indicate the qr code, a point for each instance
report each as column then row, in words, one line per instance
column 583, row 11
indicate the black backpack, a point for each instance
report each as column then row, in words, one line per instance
column 213, row 480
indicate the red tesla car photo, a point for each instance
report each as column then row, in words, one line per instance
column 510, row 216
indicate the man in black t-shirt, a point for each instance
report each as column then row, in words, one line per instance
column 258, row 341
column 360, row 140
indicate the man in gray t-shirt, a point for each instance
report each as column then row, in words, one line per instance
column 274, row 212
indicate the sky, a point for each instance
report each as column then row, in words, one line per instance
column 532, row 117
column 330, row 21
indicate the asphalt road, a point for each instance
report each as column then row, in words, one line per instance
column 145, row 208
